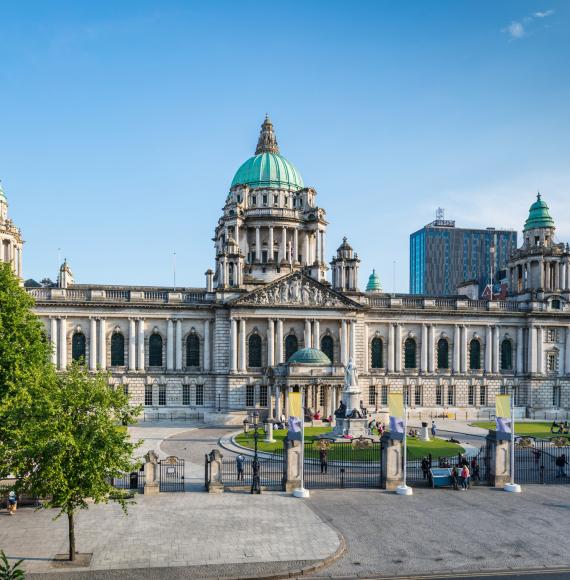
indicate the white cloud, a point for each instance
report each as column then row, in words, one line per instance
column 515, row 30
column 544, row 14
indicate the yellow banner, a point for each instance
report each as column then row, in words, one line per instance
column 396, row 404
column 295, row 407
column 503, row 406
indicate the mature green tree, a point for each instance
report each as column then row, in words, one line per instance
column 26, row 373
column 78, row 446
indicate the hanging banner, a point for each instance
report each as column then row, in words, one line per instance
column 396, row 409
column 295, row 417
column 503, row 418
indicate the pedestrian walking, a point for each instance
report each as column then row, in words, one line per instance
column 475, row 470
column 561, row 461
column 465, row 477
column 425, row 467
column 454, row 477
column 433, row 429
column 240, row 461
column 12, row 503
column 323, row 456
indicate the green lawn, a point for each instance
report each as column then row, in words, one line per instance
column 416, row 448
column 526, row 429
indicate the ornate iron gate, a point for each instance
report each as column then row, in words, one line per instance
column 356, row 463
column 171, row 474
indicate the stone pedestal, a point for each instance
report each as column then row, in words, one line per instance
column 293, row 457
column 354, row 427
column 269, row 433
column 215, row 484
column 151, row 486
column 392, row 473
column 424, row 432
column 499, row 453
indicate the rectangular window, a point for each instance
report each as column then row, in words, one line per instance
column 384, row 395
column 264, row 256
column 253, row 200
column 483, row 395
column 451, row 395
column 249, row 395
column 418, row 396
column 407, row 396
column 148, row 395
column 275, row 200
column 371, row 395
column 126, row 390
column 264, row 199
column 552, row 362
column 162, row 395
column 199, row 394
column 322, row 397
column 551, row 335
column 556, row 396
column 504, row 390
column 471, row 395
column 439, row 395
column 185, row 394
column 263, row 396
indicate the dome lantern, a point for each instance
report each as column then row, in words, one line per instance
column 374, row 284
column 539, row 215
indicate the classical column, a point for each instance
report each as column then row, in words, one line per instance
column 169, row 345
column 53, row 339
column 207, row 365
column 540, row 350
column 366, row 357
column 93, row 344
column 488, row 349
column 430, row 348
column 132, row 345
column 178, row 355
column 391, row 348
column 306, row 248
column 270, row 342
column 102, row 344
column 242, row 364
column 567, row 352
column 233, row 345
column 317, row 249
column 316, row 334
column 496, row 349
column 352, row 348
column 424, row 354
column 63, row 343
column 532, row 359
column 270, row 245
column 279, row 342
column 287, row 391
column 283, row 247
column 343, row 342
column 520, row 351
column 296, row 242
column 307, row 336
column 464, row 349
column 257, row 244
column 398, row 348
column 541, row 268
column 456, row 349
column 323, row 255
column 141, row 345
column 277, row 412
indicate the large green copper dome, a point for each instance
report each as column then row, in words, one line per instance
column 267, row 168
column 310, row 356
column 538, row 216
column 373, row 283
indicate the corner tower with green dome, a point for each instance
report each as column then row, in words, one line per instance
column 271, row 224
column 541, row 265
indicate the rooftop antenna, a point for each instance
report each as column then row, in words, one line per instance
column 174, row 267
column 394, row 278
column 439, row 214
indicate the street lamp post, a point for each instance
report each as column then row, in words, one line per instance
column 219, row 402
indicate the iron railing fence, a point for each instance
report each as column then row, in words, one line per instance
column 538, row 464
column 271, row 472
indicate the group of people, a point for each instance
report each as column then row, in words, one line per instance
column 461, row 473
column 561, row 428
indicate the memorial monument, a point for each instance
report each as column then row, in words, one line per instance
column 349, row 418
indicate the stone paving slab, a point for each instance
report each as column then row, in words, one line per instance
column 176, row 529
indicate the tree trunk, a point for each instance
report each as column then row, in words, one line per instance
column 71, row 524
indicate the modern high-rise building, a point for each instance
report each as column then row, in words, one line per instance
column 442, row 256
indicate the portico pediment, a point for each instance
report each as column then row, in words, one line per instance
column 296, row 290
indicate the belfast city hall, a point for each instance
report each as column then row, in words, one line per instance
column 275, row 315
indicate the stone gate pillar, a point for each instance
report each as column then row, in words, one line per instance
column 293, row 458
column 392, row 472
column 499, row 457
column 151, row 486
column 215, row 485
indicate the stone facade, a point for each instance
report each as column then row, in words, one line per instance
column 223, row 348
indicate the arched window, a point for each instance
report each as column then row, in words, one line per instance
column 78, row 347
column 291, row 346
column 155, row 350
column 410, row 354
column 327, row 346
column 475, row 354
column 254, row 356
column 377, row 353
column 442, row 354
column 506, row 355
column 117, row 350
column 193, row 350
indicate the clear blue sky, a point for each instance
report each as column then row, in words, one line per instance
column 122, row 123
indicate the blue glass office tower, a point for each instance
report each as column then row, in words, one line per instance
column 442, row 256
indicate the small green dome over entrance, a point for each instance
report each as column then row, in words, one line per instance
column 538, row 216
column 268, row 168
column 310, row 356
column 373, row 283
